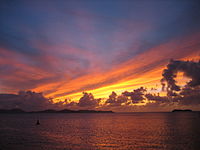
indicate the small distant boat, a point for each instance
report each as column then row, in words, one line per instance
column 38, row 122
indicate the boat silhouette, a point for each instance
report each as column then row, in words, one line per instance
column 38, row 122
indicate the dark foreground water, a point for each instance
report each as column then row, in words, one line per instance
column 138, row 131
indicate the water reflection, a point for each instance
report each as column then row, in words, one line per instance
column 101, row 131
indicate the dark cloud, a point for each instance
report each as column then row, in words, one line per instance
column 157, row 98
column 115, row 100
column 190, row 93
column 189, row 96
column 112, row 98
column 88, row 101
column 32, row 101
column 190, row 69
column 137, row 95
column 26, row 100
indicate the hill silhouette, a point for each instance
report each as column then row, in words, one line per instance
column 182, row 110
column 52, row 111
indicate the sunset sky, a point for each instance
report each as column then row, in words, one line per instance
column 66, row 47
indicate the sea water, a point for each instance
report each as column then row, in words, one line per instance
column 101, row 131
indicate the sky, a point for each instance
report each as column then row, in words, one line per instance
column 64, row 48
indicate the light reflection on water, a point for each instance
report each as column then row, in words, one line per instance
column 100, row 131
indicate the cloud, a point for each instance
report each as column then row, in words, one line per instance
column 88, row 101
column 190, row 69
column 115, row 100
column 32, row 101
column 26, row 100
column 157, row 98
column 137, row 95
column 189, row 96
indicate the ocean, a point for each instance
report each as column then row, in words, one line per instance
column 100, row 131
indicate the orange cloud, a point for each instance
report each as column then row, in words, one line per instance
column 143, row 70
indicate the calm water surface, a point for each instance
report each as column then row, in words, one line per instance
column 138, row 131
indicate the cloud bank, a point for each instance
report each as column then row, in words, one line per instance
column 140, row 99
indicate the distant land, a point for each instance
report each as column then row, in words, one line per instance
column 182, row 110
column 53, row 111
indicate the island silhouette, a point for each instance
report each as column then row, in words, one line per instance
column 182, row 110
column 53, row 111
